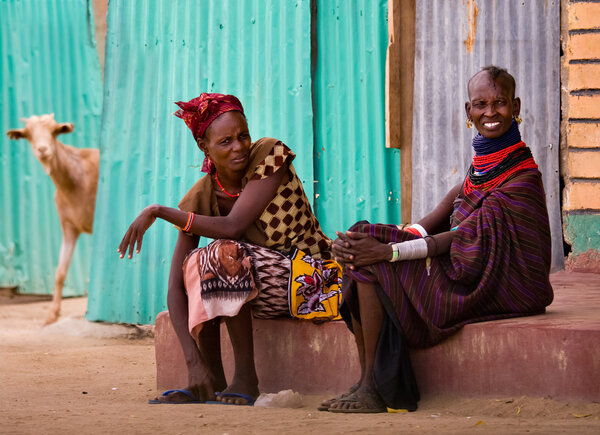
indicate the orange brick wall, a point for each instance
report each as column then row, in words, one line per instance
column 580, row 129
column 583, row 135
column 583, row 15
column 581, row 105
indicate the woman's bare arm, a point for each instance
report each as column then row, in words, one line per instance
column 439, row 218
column 249, row 206
column 359, row 249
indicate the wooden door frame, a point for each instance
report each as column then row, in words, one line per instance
column 399, row 90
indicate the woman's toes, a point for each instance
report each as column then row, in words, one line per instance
column 231, row 400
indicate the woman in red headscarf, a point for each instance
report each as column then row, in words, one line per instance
column 269, row 257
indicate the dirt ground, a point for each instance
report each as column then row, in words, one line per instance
column 79, row 377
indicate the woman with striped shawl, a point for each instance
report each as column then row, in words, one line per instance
column 482, row 254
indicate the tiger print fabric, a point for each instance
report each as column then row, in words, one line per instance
column 271, row 271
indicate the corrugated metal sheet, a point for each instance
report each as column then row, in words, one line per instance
column 164, row 51
column 48, row 63
column 356, row 176
column 522, row 36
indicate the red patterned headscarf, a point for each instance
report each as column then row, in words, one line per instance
column 201, row 111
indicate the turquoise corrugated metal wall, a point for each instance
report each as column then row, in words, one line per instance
column 357, row 177
column 164, row 51
column 48, row 63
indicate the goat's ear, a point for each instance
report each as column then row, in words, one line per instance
column 64, row 127
column 17, row 133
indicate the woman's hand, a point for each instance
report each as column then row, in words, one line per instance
column 341, row 249
column 358, row 249
column 136, row 231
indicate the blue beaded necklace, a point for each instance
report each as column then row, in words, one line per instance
column 484, row 145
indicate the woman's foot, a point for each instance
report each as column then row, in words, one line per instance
column 239, row 393
column 202, row 382
column 363, row 400
column 325, row 404
column 186, row 395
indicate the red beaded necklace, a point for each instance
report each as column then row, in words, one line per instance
column 223, row 189
column 489, row 161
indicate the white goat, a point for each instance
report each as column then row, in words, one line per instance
column 74, row 172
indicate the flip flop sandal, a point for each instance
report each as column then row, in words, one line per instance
column 166, row 393
column 358, row 410
column 249, row 399
column 371, row 404
column 325, row 406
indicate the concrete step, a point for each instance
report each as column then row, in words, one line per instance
column 556, row 354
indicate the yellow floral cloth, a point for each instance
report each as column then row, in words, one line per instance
column 315, row 289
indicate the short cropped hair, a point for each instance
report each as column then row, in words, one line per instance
column 495, row 72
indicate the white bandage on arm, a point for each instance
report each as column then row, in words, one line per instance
column 410, row 250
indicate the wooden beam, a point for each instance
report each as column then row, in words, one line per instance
column 399, row 92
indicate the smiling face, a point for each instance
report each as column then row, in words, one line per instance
column 227, row 142
column 492, row 105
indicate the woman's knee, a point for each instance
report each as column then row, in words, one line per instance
column 226, row 258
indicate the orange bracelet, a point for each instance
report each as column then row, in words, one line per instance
column 189, row 223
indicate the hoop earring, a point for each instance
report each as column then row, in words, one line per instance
column 518, row 119
column 208, row 166
column 469, row 123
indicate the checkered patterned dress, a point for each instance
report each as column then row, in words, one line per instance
column 287, row 222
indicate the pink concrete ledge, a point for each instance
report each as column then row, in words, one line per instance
column 300, row 355
column 556, row 354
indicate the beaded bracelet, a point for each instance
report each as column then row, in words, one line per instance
column 189, row 223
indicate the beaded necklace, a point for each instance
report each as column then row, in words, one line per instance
column 482, row 164
column 232, row 195
column 483, row 145
column 497, row 159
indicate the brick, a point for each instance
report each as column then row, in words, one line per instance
column 584, row 16
column 584, row 76
column 584, row 46
column 580, row 195
column 583, row 135
column 584, row 164
column 584, row 106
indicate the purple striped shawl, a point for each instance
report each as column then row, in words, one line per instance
column 498, row 265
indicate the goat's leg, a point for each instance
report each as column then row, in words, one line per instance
column 69, row 239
